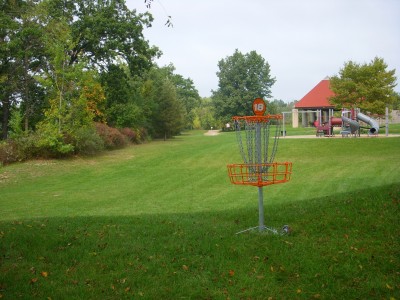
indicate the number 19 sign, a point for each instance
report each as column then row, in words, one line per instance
column 259, row 107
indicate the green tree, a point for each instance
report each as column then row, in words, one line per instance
column 168, row 120
column 122, row 106
column 10, row 27
column 396, row 102
column 204, row 116
column 276, row 107
column 369, row 86
column 188, row 96
column 185, row 99
column 242, row 78
column 29, row 59
column 104, row 30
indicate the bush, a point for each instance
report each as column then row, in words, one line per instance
column 87, row 142
column 18, row 149
column 143, row 134
column 113, row 139
column 52, row 146
column 49, row 143
column 8, row 153
column 130, row 134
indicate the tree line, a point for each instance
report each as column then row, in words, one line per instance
column 74, row 70
column 79, row 76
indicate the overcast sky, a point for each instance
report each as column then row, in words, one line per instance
column 303, row 41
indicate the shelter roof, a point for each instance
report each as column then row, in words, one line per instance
column 318, row 97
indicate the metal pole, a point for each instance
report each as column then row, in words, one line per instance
column 260, row 189
column 260, row 209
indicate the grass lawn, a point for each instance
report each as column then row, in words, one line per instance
column 159, row 221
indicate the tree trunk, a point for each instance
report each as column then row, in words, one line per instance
column 6, row 116
column 26, row 123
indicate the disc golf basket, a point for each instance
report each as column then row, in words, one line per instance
column 257, row 137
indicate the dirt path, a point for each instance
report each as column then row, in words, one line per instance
column 212, row 132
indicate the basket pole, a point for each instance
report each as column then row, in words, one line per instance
column 260, row 209
column 260, row 188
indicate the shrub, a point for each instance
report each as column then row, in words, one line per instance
column 8, row 152
column 136, row 136
column 131, row 135
column 143, row 134
column 113, row 139
column 52, row 146
column 87, row 142
column 26, row 146
column 18, row 149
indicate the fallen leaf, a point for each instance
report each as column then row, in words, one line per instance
column 389, row 286
column 231, row 273
column 298, row 291
column 185, row 267
column 44, row 274
column 33, row 280
column 123, row 280
column 272, row 268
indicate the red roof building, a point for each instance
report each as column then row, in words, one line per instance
column 314, row 106
column 317, row 98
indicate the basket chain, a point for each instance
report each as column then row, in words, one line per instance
column 239, row 139
column 251, row 155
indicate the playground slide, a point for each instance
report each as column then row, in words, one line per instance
column 354, row 125
column 373, row 123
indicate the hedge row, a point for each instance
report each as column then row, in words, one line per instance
column 85, row 141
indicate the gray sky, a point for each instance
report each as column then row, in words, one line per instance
column 303, row 41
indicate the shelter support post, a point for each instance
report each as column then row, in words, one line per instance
column 295, row 118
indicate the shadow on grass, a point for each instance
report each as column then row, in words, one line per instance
column 343, row 246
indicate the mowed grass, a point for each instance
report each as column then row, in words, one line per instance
column 159, row 221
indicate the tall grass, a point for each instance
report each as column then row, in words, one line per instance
column 159, row 220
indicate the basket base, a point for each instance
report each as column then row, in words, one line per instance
column 284, row 230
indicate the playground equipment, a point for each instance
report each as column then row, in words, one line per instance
column 352, row 126
column 326, row 129
column 258, row 169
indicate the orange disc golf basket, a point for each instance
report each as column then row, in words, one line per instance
column 258, row 137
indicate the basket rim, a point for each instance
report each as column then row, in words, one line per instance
column 263, row 118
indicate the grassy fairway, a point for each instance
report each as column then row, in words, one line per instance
column 158, row 221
